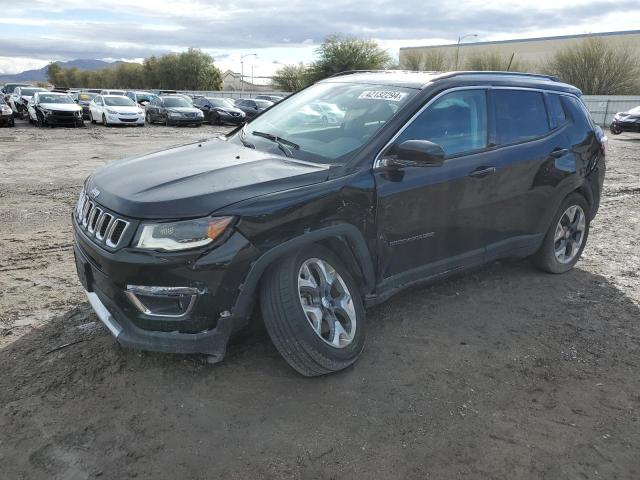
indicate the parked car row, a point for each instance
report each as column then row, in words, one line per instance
column 44, row 107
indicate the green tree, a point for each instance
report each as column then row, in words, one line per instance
column 291, row 78
column 597, row 68
column 54, row 74
column 340, row 53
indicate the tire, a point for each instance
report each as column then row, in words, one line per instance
column 290, row 328
column 104, row 120
column 40, row 122
column 547, row 257
column 147, row 118
column 615, row 130
column 214, row 118
column 91, row 117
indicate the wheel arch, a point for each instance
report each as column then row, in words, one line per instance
column 344, row 240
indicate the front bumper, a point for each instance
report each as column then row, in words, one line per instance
column 623, row 126
column 185, row 120
column 206, row 328
column 125, row 120
column 233, row 120
column 212, row 342
column 64, row 121
column 6, row 120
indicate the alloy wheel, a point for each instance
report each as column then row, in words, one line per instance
column 327, row 302
column 569, row 234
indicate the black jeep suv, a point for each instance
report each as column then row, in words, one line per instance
column 424, row 175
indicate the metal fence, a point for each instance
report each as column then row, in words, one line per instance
column 604, row 107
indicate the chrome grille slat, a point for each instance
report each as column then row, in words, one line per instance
column 103, row 225
column 99, row 225
column 93, row 219
column 116, row 232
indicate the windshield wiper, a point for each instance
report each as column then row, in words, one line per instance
column 282, row 142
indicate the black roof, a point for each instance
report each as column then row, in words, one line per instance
column 420, row 80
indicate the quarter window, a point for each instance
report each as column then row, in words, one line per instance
column 520, row 115
column 457, row 122
column 556, row 111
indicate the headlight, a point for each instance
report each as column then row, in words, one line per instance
column 78, row 113
column 617, row 116
column 112, row 112
column 199, row 113
column 45, row 111
column 6, row 110
column 182, row 235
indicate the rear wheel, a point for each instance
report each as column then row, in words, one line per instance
column 566, row 238
column 313, row 312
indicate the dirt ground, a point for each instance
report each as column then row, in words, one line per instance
column 505, row 372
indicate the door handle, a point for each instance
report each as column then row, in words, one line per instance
column 481, row 172
column 559, row 152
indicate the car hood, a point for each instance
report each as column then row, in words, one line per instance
column 123, row 109
column 197, row 179
column 61, row 107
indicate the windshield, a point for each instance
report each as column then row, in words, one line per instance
column 221, row 102
column 118, row 102
column 358, row 112
column 28, row 92
column 176, row 102
column 145, row 97
column 263, row 103
column 48, row 98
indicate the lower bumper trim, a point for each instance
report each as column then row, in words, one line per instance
column 104, row 315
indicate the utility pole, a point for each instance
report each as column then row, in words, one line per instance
column 242, row 57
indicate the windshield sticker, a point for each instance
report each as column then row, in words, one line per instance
column 382, row 95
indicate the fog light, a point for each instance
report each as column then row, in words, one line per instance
column 165, row 302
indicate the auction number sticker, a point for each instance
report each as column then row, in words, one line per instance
column 390, row 95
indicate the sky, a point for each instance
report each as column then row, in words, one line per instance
column 35, row 32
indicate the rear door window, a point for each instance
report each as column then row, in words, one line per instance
column 457, row 122
column 520, row 115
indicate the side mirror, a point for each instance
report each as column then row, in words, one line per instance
column 415, row 153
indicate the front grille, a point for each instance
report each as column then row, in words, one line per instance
column 58, row 113
column 189, row 115
column 98, row 224
column 128, row 119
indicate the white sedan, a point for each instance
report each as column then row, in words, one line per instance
column 115, row 110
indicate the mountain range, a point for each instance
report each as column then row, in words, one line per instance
column 40, row 75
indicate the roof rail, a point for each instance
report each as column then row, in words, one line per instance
column 503, row 72
column 349, row 72
column 453, row 74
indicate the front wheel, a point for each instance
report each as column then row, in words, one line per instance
column 614, row 129
column 313, row 312
column 91, row 117
column 104, row 120
column 566, row 238
column 147, row 117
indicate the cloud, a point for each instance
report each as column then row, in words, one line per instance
column 67, row 29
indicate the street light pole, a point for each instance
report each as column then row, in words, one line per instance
column 458, row 46
column 242, row 57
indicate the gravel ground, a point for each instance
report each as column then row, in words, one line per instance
column 505, row 372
